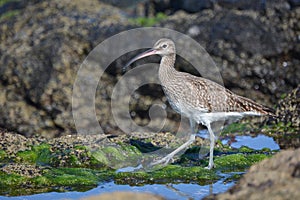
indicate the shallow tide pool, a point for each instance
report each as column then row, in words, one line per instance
column 181, row 191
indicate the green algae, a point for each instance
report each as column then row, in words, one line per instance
column 117, row 156
column 72, row 177
column 237, row 162
column 131, row 150
column 114, row 154
column 68, row 178
column 39, row 154
column 245, row 149
column 98, row 159
column 12, row 183
column 9, row 180
column 167, row 174
column 3, row 155
column 79, row 167
column 280, row 127
column 234, row 177
column 148, row 21
column 237, row 128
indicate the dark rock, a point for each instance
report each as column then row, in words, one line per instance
column 274, row 178
column 123, row 3
column 22, row 169
column 242, row 4
column 288, row 110
column 285, row 127
column 193, row 6
column 294, row 3
column 40, row 56
column 15, row 5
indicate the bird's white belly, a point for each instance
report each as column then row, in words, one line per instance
column 207, row 118
column 186, row 110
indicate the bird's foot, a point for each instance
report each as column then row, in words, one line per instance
column 164, row 161
column 210, row 166
column 201, row 156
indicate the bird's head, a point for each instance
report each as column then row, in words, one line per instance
column 162, row 47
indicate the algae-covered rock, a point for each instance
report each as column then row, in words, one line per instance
column 39, row 154
column 285, row 128
column 238, row 162
column 80, row 179
column 168, row 174
column 288, row 112
column 74, row 162
column 274, row 178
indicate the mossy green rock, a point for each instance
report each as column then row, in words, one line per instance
column 72, row 177
column 168, row 174
column 39, row 154
column 69, row 178
column 237, row 162
column 2, row 155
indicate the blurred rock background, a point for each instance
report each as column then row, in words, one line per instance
column 255, row 43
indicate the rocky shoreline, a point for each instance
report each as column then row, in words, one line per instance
column 43, row 44
column 40, row 163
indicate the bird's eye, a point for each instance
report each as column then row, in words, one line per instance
column 164, row 46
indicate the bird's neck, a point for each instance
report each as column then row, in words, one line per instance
column 166, row 68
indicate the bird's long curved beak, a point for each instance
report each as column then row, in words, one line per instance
column 142, row 55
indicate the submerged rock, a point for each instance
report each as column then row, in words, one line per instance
column 124, row 196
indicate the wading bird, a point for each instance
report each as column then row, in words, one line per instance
column 199, row 99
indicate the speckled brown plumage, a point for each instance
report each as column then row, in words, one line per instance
column 201, row 100
column 197, row 92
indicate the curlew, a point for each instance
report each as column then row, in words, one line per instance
column 201, row 100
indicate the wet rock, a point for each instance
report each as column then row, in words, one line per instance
column 124, row 196
column 193, row 6
column 288, row 110
column 242, row 4
column 274, row 178
column 285, row 128
column 22, row 169
column 11, row 142
column 294, row 3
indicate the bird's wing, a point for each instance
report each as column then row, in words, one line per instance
column 217, row 98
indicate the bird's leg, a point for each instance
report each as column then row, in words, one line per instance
column 211, row 150
column 167, row 158
column 192, row 126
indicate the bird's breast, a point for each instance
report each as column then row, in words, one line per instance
column 173, row 100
